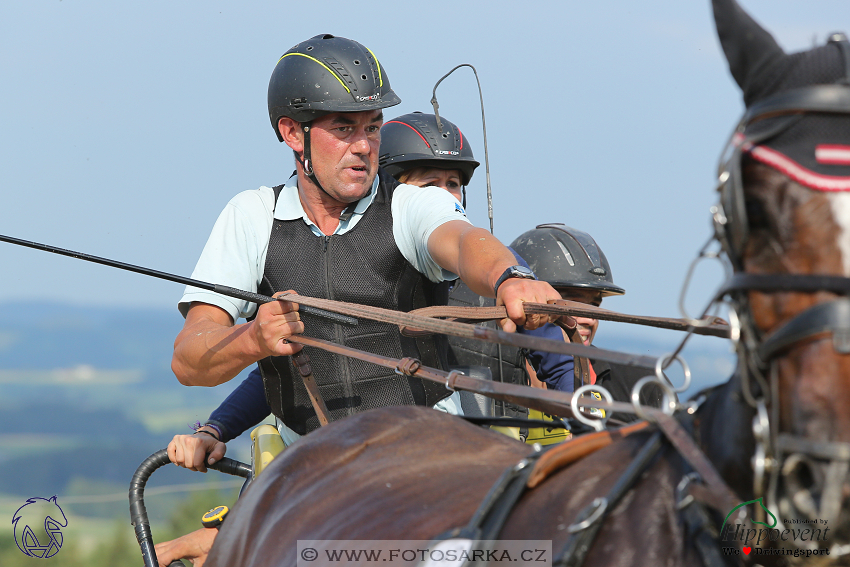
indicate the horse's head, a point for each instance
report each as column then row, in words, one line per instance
column 783, row 219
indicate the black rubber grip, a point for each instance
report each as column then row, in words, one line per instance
column 138, row 513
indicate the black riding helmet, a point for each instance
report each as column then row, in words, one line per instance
column 327, row 74
column 413, row 140
column 566, row 257
column 322, row 75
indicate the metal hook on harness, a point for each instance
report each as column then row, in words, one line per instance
column 407, row 366
column 597, row 424
column 703, row 254
column 668, row 404
column 662, row 363
column 450, row 379
column 600, row 504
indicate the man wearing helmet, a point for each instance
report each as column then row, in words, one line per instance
column 416, row 151
column 341, row 229
column 327, row 137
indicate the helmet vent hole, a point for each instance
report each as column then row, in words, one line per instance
column 363, row 77
column 310, row 48
column 357, row 61
column 445, row 135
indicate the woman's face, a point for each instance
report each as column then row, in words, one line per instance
column 448, row 179
column 586, row 326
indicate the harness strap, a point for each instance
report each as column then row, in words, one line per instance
column 590, row 520
column 547, row 401
column 563, row 454
column 830, row 317
column 688, row 449
column 711, row 326
column 493, row 512
column 302, row 361
column 702, row 532
column 468, row 331
column 785, row 282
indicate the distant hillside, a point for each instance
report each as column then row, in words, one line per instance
column 87, row 393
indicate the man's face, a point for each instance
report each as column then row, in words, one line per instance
column 344, row 149
column 586, row 326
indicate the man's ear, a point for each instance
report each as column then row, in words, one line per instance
column 292, row 133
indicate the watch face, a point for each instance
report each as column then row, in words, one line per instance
column 522, row 272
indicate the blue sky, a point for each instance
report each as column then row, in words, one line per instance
column 127, row 126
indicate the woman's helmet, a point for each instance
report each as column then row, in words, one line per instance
column 413, row 140
column 327, row 74
column 565, row 257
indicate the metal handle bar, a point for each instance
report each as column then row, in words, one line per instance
column 138, row 513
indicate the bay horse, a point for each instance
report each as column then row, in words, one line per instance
column 779, row 430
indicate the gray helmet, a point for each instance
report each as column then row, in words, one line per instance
column 327, row 74
column 566, row 257
column 413, row 140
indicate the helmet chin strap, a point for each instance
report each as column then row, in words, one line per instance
column 306, row 161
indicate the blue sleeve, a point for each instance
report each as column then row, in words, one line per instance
column 244, row 408
column 519, row 259
column 554, row 369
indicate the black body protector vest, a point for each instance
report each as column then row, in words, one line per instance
column 365, row 266
column 463, row 352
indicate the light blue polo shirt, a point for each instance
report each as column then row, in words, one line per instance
column 235, row 253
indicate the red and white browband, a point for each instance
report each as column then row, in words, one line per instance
column 830, row 154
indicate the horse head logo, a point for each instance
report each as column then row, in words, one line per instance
column 37, row 527
column 769, row 514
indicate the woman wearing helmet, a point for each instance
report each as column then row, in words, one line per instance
column 418, row 151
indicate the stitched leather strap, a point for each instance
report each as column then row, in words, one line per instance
column 711, row 326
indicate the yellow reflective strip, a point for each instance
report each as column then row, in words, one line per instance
column 323, row 65
column 380, row 79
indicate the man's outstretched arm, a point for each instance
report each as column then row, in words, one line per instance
column 480, row 259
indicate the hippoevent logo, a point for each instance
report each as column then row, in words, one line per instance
column 803, row 539
column 38, row 526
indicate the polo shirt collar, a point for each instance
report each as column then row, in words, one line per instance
column 289, row 207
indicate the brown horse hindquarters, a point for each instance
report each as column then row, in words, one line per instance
column 409, row 473
column 393, row 473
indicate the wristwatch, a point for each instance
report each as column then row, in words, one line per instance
column 215, row 517
column 514, row 272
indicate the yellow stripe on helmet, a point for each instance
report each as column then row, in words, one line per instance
column 380, row 79
column 325, row 66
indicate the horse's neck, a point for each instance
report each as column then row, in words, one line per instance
column 724, row 430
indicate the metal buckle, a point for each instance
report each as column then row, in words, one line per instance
column 601, row 505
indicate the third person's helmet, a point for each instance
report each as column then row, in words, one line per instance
column 565, row 257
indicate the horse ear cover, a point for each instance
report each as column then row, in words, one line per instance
column 749, row 48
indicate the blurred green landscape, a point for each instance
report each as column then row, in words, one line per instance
column 86, row 394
